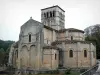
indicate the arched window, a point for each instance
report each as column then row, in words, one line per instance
column 71, row 53
column 17, row 53
column 50, row 14
column 47, row 14
column 93, row 54
column 29, row 37
column 71, row 37
column 44, row 15
column 55, row 56
column 85, row 53
column 53, row 13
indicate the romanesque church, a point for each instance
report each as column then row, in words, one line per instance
column 49, row 45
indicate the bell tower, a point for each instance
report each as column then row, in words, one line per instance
column 53, row 17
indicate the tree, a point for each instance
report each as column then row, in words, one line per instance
column 95, row 37
column 4, row 51
column 2, row 55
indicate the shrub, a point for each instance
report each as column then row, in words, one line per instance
column 68, row 71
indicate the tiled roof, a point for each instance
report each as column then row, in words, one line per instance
column 69, row 41
column 51, row 47
column 71, row 30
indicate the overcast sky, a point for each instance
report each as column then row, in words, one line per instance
column 14, row 13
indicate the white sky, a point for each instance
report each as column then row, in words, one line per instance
column 14, row 13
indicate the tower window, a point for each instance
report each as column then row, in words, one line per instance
column 53, row 13
column 55, row 56
column 71, row 53
column 94, row 54
column 85, row 53
column 44, row 15
column 29, row 37
column 50, row 14
column 47, row 14
column 17, row 53
column 71, row 37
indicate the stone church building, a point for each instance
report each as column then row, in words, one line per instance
column 49, row 45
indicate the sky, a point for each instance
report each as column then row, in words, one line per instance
column 14, row 13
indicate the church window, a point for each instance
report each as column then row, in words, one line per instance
column 47, row 14
column 55, row 56
column 71, row 53
column 71, row 37
column 17, row 53
column 94, row 54
column 50, row 14
column 85, row 53
column 53, row 13
column 29, row 37
column 44, row 15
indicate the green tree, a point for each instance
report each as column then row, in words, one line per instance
column 95, row 37
column 2, row 56
column 4, row 51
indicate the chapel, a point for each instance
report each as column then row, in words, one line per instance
column 49, row 45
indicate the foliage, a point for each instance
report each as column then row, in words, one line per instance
column 94, row 36
column 4, row 51
column 68, row 71
column 82, row 70
column 5, row 44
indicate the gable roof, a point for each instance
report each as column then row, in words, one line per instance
column 31, row 21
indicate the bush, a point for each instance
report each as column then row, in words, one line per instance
column 68, row 71
column 82, row 70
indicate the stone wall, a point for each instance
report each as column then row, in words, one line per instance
column 50, row 58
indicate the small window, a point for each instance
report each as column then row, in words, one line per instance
column 55, row 56
column 71, row 37
column 53, row 13
column 50, row 14
column 44, row 15
column 93, row 54
column 47, row 14
column 17, row 53
column 71, row 53
column 29, row 37
column 85, row 53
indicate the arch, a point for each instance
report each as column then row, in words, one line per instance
column 71, row 53
column 24, row 46
column 33, row 49
column 33, row 54
column 85, row 53
column 24, row 56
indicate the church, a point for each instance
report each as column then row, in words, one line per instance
column 49, row 45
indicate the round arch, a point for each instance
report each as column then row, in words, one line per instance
column 24, row 56
column 71, row 53
column 33, row 54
